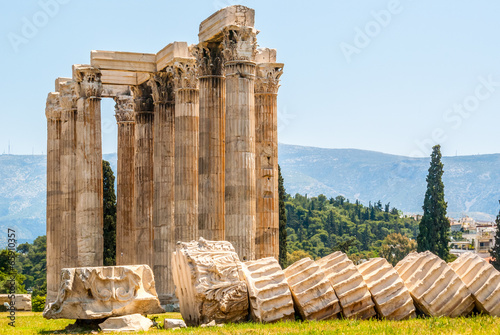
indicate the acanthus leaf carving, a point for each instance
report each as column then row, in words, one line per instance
column 68, row 95
column 210, row 59
column 184, row 74
column 162, row 87
column 53, row 107
column 124, row 108
column 268, row 78
column 239, row 44
column 89, row 79
column 143, row 99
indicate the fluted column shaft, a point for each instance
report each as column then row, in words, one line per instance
column 266, row 160
column 211, row 217
column 240, row 157
column 186, row 164
column 143, row 186
column 68, row 97
column 125, row 200
column 267, row 231
column 164, row 184
column 54, row 232
column 89, row 177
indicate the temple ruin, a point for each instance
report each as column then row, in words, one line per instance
column 197, row 151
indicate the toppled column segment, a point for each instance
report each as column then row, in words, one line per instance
column 270, row 296
column 101, row 292
column 482, row 280
column 391, row 297
column 351, row 289
column 312, row 294
column 435, row 288
column 207, row 283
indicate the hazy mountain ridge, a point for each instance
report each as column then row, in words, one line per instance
column 471, row 183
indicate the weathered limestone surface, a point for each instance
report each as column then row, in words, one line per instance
column 173, row 323
column 187, row 111
column 213, row 27
column 101, row 292
column 211, row 178
column 54, row 203
column 125, row 200
column 351, row 289
column 89, row 178
column 239, row 45
column 435, row 288
column 68, row 98
column 22, row 301
column 270, row 296
column 482, row 280
column 208, row 284
column 266, row 154
column 133, row 322
column 391, row 297
column 143, row 175
column 312, row 293
column 164, row 183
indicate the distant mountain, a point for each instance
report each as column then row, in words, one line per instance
column 472, row 183
column 23, row 192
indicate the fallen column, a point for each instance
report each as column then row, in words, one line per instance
column 207, row 283
column 270, row 296
column 391, row 297
column 482, row 280
column 101, row 292
column 351, row 289
column 312, row 294
column 435, row 288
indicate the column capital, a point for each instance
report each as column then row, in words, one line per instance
column 210, row 59
column 89, row 79
column 268, row 78
column 53, row 107
column 239, row 43
column 184, row 73
column 162, row 87
column 124, row 108
column 143, row 100
column 68, row 95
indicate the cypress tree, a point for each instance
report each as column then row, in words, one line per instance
column 495, row 252
column 109, row 227
column 435, row 226
column 282, row 221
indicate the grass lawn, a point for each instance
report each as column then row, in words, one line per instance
column 34, row 323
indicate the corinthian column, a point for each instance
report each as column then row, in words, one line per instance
column 164, row 183
column 266, row 114
column 143, row 175
column 239, row 51
column 89, row 201
column 125, row 200
column 68, row 97
column 55, row 239
column 212, row 142
column 186, row 149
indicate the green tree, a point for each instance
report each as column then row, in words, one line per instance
column 32, row 263
column 282, row 221
column 109, row 227
column 434, row 226
column 495, row 252
column 395, row 247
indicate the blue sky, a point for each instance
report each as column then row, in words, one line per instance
column 390, row 76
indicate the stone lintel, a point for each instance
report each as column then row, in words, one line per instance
column 111, row 91
column 172, row 51
column 212, row 28
column 123, row 61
